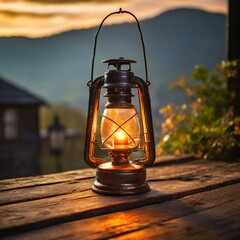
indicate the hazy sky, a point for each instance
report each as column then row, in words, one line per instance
column 38, row 18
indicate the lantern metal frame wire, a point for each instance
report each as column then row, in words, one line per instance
column 119, row 127
column 111, row 179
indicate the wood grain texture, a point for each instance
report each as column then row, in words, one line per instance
column 69, row 182
column 26, row 189
column 220, row 222
column 173, row 159
column 185, row 218
column 76, row 174
column 167, row 182
column 43, row 191
column 45, row 179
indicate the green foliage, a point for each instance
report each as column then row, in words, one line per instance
column 69, row 116
column 202, row 126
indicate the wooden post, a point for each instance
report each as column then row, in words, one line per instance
column 234, row 51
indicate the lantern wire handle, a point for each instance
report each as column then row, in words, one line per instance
column 96, row 37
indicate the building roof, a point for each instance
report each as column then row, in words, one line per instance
column 11, row 94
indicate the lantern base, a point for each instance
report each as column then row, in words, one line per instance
column 120, row 179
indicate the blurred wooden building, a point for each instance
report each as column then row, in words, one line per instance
column 19, row 130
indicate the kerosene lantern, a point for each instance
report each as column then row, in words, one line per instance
column 122, row 130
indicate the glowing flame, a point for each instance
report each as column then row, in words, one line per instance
column 120, row 138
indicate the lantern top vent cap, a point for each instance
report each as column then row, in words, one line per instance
column 121, row 61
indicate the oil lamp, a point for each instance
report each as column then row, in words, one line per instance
column 56, row 133
column 122, row 131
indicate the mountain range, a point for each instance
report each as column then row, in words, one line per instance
column 58, row 67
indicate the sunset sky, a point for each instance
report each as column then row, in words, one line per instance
column 39, row 18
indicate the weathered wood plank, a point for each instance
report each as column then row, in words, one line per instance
column 48, row 187
column 43, row 191
column 220, row 222
column 60, row 184
column 173, row 159
column 137, row 220
column 79, row 205
column 46, row 179
column 24, row 182
column 187, row 171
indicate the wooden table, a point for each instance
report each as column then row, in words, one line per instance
column 190, row 199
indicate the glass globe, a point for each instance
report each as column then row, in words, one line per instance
column 120, row 128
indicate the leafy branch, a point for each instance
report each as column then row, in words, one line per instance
column 204, row 125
